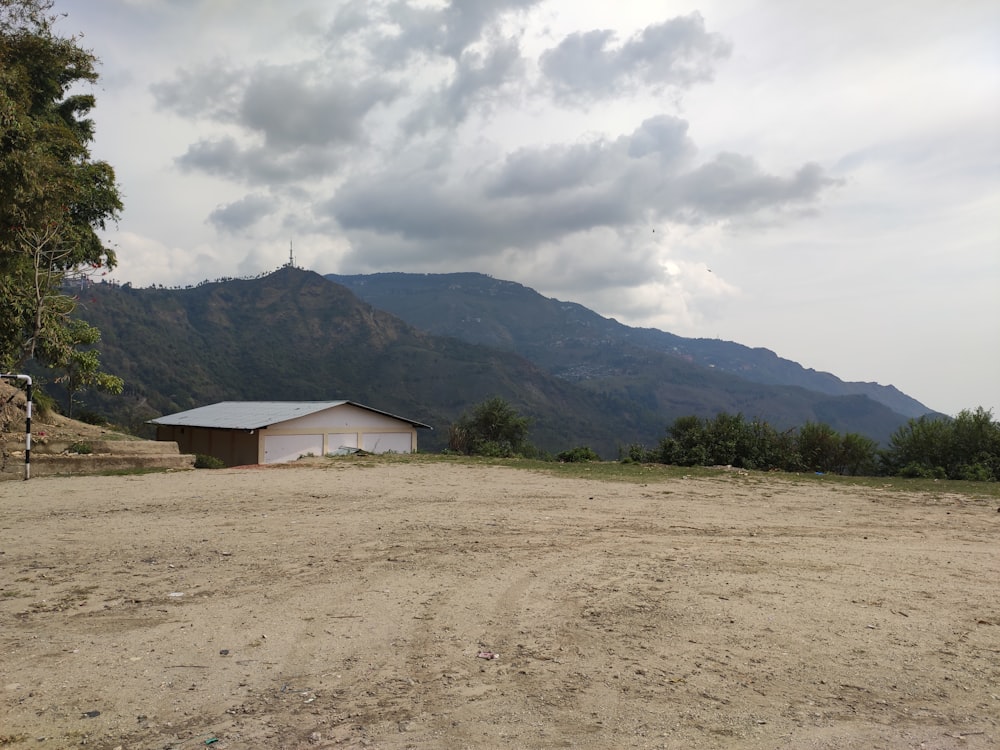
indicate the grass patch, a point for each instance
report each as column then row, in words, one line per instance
column 130, row 472
column 614, row 471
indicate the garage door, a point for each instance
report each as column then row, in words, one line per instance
column 280, row 448
column 386, row 442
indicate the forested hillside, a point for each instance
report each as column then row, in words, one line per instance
column 295, row 335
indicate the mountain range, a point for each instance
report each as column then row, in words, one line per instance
column 430, row 347
column 575, row 343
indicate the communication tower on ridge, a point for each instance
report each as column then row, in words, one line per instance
column 291, row 256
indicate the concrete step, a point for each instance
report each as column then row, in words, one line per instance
column 51, row 458
column 114, row 447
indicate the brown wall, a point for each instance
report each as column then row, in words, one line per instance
column 232, row 447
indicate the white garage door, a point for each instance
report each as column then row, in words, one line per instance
column 280, row 448
column 385, row 442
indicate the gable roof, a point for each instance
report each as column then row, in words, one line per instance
column 256, row 415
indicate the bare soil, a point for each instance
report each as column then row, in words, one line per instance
column 357, row 602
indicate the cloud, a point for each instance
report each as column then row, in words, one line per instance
column 538, row 195
column 478, row 80
column 256, row 164
column 394, row 34
column 298, row 105
column 294, row 120
column 209, row 91
column 586, row 66
column 735, row 185
column 242, row 214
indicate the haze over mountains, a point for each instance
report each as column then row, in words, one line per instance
column 458, row 339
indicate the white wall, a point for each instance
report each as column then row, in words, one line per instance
column 385, row 442
column 281, row 448
column 339, row 426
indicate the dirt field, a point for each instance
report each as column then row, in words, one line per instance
column 351, row 605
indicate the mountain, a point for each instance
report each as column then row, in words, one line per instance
column 571, row 341
column 294, row 335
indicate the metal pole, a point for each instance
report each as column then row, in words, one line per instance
column 27, row 431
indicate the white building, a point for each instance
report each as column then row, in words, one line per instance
column 267, row 432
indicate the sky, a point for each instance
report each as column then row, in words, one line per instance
column 819, row 179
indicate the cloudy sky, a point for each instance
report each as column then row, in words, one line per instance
column 817, row 178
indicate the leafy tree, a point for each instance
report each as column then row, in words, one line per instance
column 83, row 368
column 975, row 446
column 857, row 456
column 966, row 447
column 921, row 447
column 53, row 197
column 819, row 447
column 685, row 444
column 493, row 428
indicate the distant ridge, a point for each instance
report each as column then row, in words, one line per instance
column 480, row 309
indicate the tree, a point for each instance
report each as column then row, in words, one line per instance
column 921, row 447
column 966, row 447
column 819, row 447
column 83, row 369
column 975, row 445
column 857, row 455
column 53, row 197
column 493, row 428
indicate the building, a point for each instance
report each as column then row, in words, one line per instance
column 268, row 432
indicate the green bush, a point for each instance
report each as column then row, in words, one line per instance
column 202, row 461
column 636, row 453
column 966, row 447
column 81, row 448
column 915, row 470
column 90, row 417
column 581, row 454
column 493, row 429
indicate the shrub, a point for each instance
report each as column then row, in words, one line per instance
column 581, row 454
column 81, row 448
column 493, row 429
column 636, row 453
column 915, row 470
column 203, row 461
column 89, row 416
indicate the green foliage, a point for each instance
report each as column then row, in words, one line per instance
column 89, row 416
column 82, row 368
column 727, row 440
column 492, row 429
column 636, row 453
column 966, row 447
column 203, row 461
column 818, row 447
column 81, row 448
column 44, row 404
column 581, row 454
column 53, row 196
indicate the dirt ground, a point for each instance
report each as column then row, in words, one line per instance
column 352, row 603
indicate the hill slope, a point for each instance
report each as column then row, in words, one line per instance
column 576, row 343
column 295, row 335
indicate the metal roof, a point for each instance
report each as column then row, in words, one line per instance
column 256, row 415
